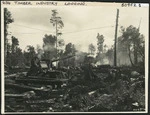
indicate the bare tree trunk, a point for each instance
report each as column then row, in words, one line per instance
column 141, row 53
column 135, row 54
column 130, row 56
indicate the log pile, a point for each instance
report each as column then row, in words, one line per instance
column 110, row 91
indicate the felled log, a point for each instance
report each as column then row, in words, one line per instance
column 41, row 81
column 28, row 94
column 23, row 88
column 47, row 101
column 12, row 76
column 14, row 95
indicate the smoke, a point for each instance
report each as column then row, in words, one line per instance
column 105, row 61
column 49, row 48
column 40, row 53
column 46, row 48
column 77, row 47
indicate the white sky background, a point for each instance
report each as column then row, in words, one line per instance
column 31, row 24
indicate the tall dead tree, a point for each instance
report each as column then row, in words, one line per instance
column 115, row 44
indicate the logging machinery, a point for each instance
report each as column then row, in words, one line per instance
column 45, row 73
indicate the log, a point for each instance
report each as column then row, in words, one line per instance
column 11, row 75
column 14, row 95
column 41, row 81
column 23, row 88
column 92, row 92
column 49, row 101
column 28, row 94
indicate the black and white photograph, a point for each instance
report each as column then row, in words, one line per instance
column 74, row 57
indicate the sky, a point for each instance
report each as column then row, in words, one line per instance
column 81, row 24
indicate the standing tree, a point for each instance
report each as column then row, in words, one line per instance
column 8, row 57
column 20, row 58
column 134, row 42
column 58, row 23
column 100, row 43
column 14, row 56
column 29, row 54
column 49, row 46
column 70, row 49
column 15, row 44
column 31, row 51
column 141, row 48
column 7, row 20
column 92, row 49
column 61, row 43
